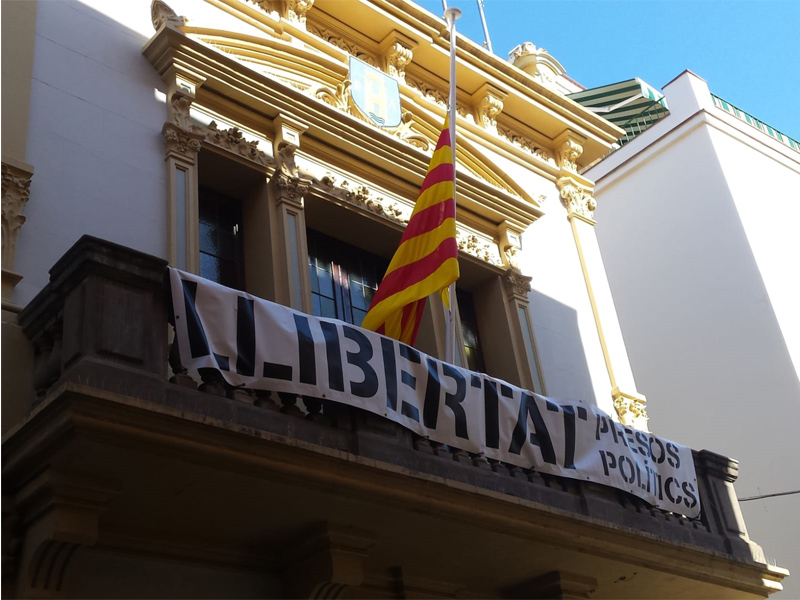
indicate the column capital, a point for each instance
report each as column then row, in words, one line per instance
column 16, row 190
column 517, row 285
column 577, row 199
column 180, row 143
column 631, row 408
column 289, row 189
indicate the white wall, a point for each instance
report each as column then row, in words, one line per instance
column 700, row 247
column 94, row 136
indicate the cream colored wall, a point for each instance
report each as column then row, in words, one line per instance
column 18, row 24
column 695, row 229
column 94, row 136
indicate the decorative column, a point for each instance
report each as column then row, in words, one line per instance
column 16, row 180
column 286, row 190
column 517, row 286
column 182, row 143
column 576, row 196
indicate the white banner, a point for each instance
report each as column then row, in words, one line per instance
column 262, row 345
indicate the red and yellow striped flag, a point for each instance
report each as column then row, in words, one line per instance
column 427, row 259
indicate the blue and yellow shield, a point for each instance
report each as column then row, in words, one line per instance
column 375, row 94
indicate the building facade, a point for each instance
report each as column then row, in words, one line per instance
column 224, row 139
column 698, row 244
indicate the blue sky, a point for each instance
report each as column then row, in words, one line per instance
column 747, row 50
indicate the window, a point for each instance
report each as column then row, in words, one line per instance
column 343, row 278
column 221, row 248
column 469, row 331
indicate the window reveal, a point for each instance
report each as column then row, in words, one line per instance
column 221, row 248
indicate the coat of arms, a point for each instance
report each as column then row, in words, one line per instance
column 375, row 94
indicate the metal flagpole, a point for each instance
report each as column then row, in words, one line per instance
column 451, row 14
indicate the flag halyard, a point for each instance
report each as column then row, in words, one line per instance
column 427, row 259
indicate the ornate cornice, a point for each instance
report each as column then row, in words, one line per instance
column 483, row 249
column 340, row 42
column 161, row 14
column 577, row 199
column 362, row 197
column 428, row 92
column 296, row 10
column 233, row 141
column 15, row 194
column 406, row 132
column 525, row 144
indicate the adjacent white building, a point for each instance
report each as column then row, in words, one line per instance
column 697, row 226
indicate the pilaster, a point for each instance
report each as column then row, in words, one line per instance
column 576, row 196
column 16, row 183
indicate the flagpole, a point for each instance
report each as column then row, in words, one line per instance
column 451, row 14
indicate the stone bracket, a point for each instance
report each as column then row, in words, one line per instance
column 631, row 408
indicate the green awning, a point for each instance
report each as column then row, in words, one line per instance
column 632, row 105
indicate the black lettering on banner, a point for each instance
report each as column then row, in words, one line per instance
column 609, row 462
column 668, row 490
column 691, row 499
column 198, row 342
column 624, row 460
column 602, row 427
column 491, row 411
column 433, row 390
column 644, row 446
column 389, row 372
column 276, row 371
column 305, row 344
column 360, row 359
column 629, row 439
column 619, row 433
column 411, row 355
column 453, row 401
column 662, row 453
column 569, row 436
column 539, row 437
column 334, row 355
column 245, row 337
column 673, row 460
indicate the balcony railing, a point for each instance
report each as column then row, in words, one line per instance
column 101, row 325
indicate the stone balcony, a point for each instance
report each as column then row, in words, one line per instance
column 123, row 451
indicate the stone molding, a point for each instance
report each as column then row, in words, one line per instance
column 338, row 40
column 577, row 199
column 479, row 247
column 294, row 11
column 161, row 14
column 362, row 197
column 526, row 144
column 289, row 189
column 232, row 140
column 15, row 193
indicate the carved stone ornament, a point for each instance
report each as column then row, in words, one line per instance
column 525, row 144
column 340, row 42
column 291, row 189
column 406, row 132
column 632, row 412
column 162, row 14
column 428, row 92
column 568, row 154
column 179, row 106
column 397, row 57
column 516, row 283
column 183, row 142
column 479, row 248
column 488, row 107
column 16, row 191
column 577, row 200
column 233, row 141
column 362, row 197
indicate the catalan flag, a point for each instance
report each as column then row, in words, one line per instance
column 427, row 259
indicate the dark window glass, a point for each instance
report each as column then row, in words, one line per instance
column 343, row 278
column 221, row 250
column 469, row 331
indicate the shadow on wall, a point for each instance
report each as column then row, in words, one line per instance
column 561, row 353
